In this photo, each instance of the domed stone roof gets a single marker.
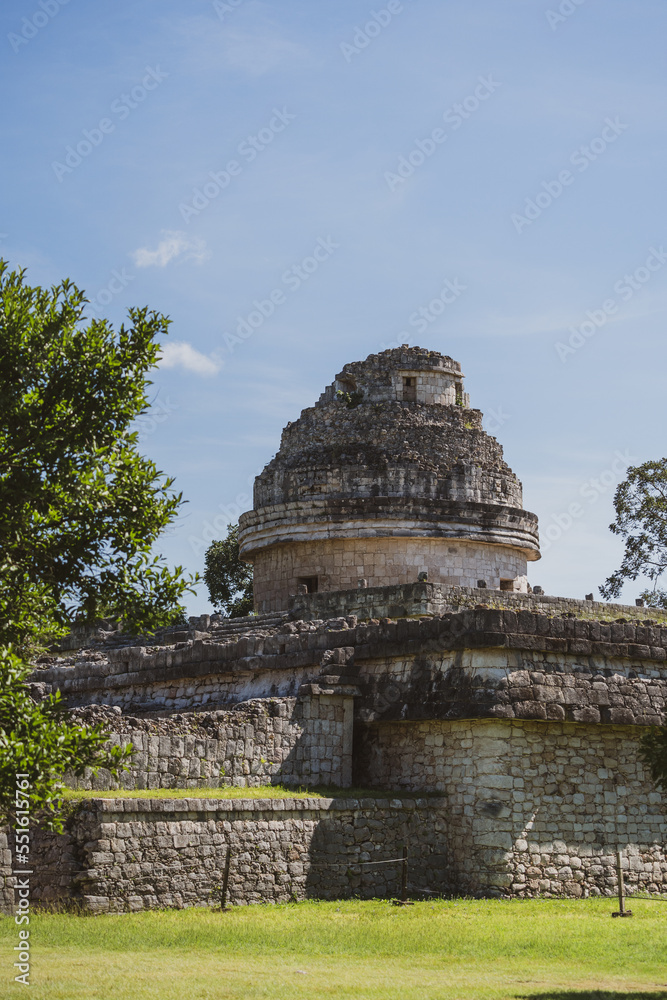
(391, 451)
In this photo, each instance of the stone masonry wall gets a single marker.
(339, 563)
(275, 741)
(534, 808)
(132, 854)
(7, 895)
(505, 684)
(432, 388)
(432, 598)
(455, 665)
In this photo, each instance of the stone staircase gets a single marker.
(233, 628)
(219, 629)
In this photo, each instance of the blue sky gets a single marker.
(192, 156)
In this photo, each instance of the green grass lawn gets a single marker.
(226, 792)
(441, 950)
(232, 792)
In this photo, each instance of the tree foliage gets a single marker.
(653, 752)
(80, 508)
(229, 580)
(37, 739)
(640, 503)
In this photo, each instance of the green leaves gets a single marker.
(38, 740)
(80, 508)
(640, 502)
(229, 580)
(653, 752)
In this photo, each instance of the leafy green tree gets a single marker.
(653, 752)
(37, 740)
(80, 508)
(229, 580)
(640, 503)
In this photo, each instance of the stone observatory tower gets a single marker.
(388, 476)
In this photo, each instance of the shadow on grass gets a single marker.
(593, 995)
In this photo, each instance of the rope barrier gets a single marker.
(314, 864)
(344, 864)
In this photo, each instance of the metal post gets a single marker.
(404, 901)
(404, 876)
(225, 880)
(622, 912)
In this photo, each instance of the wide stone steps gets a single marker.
(232, 627)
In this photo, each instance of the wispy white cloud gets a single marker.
(249, 41)
(262, 52)
(174, 243)
(180, 354)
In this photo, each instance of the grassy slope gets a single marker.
(444, 950)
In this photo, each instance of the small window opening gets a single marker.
(458, 389)
(409, 389)
(507, 584)
(309, 582)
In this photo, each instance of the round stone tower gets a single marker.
(390, 475)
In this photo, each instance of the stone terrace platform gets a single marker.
(454, 663)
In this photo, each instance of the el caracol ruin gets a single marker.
(397, 647)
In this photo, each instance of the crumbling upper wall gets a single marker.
(430, 598)
(364, 438)
(479, 663)
(410, 374)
